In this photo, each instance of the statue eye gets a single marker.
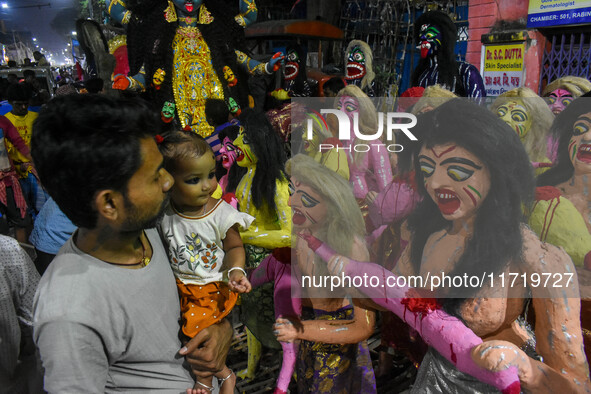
(358, 56)
(519, 116)
(350, 108)
(308, 201)
(580, 128)
(502, 111)
(427, 169)
(552, 99)
(292, 57)
(459, 174)
(566, 101)
(291, 188)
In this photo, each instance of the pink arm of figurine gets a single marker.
(393, 203)
(447, 334)
(379, 163)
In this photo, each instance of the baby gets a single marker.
(203, 242)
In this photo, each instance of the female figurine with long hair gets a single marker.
(529, 116)
(562, 91)
(333, 356)
(474, 177)
(262, 193)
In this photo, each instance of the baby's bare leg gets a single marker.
(202, 386)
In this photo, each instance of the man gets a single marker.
(107, 310)
(19, 372)
(22, 119)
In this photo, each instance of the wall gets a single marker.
(483, 14)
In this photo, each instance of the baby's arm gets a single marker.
(234, 261)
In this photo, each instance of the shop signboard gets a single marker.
(545, 13)
(502, 67)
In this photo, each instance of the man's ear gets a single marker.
(109, 204)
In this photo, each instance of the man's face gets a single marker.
(147, 191)
(20, 108)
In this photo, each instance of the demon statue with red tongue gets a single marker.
(358, 66)
(296, 78)
(436, 36)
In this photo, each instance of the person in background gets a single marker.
(19, 364)
(22, 119)
(40, 59)
(95, 85)
(13, 206)
(51, 230)
(332, 86)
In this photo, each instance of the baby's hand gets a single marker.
(238, 282)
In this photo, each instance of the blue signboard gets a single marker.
(545, 13)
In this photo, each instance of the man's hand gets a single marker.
(207, 351)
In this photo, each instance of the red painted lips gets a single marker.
(240, 154)
(584, 153)
(447, 201)
(297, 217)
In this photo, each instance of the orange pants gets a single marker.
(204, 305)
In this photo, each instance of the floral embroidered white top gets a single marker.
(195, 244)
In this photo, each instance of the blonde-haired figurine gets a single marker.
(332, 353)
(359, 66)
(562, 91)
(323, 147)
(433, 97)
(529, 116)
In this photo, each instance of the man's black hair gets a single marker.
(19, 92)
(334, 84)
(82, 144)
(94, 85)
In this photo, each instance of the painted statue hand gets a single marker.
(275, 62)
(285, 330)
(499, 355)
(337, 264)
(121, 82)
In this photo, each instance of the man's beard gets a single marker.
(135, 220)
